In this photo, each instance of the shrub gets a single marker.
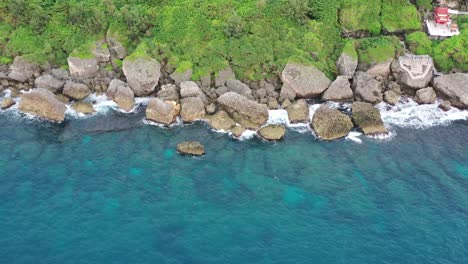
(419, 43)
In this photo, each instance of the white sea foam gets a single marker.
(178, 122)
(412, 115)
(248, 134)
(354, 136)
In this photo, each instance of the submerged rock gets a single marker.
(162, 112)
(142, 74)
(22, 69)
(192, 109)
(367, 88)
(48, 82)
(43, 103)
(76, 91)
(368, 118)
(83, 107)
(7, 103)
(120, 93)
(246, 112)
(272, 132)
(454, 87)
(298, 112)
(221, 121)
(306, 81)
(193, 148)
(330, 124)
(425, 96)
(339, 91)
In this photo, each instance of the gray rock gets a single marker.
(240, 88)
(142, 74)
(205, 81)
(260, 93)
(120, 93)
(101, 52)
(415, 71)
(339, 91)
(425, 96)
(346, 65)
(180, 77)
(48, 82)
(191, 89)
(162, 112)
(392, 97)
(61, 74)
(221, 90)
(287, 93)
(192, 109)
(223, 76)
(368, 118)
(210, 109)
(169, 92)
(193, 148)
(272, 132)
(42, 103)
(272, 103)
(306, 81)
(22, 69)
(116, 48)
(380, 70)
(246, 112)
(330, 124)
(76, 91)
(453, 87)
(367, 88)
(298, 112)
(445, 105)
(83, 68)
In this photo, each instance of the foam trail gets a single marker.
(412, 115)
(354, 136)
(280, 116)
(248, 134)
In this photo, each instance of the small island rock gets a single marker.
(193, 148)
(272, 132)
(368, 118)
(330, 124)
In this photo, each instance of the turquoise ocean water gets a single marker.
(109, 189)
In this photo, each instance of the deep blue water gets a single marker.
(112, 190)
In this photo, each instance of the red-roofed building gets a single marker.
(441, 15)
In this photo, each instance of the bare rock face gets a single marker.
(43, 103)
(191, 89)
(287, 93)
(298, 112)
(330, 124)
(7, 103)
(116, 48)
(381, 70)
(240, 88)
(415, 72)
(246, 112)
(454, 87)
(76, 91)
(221, 121)
(120, 93)
(48, 82)
(306, 81)
(193, 148)
(83, 107)
(339, 91)
(425, 96)
(180, 77)
(83, 68)
(272, 132)
(223, 76)
(392, 97)
(101, 52)
(368, 118)
(367, 88)
(346, 65)
(162, 112)
(169, 92)
(192, 109)
(22, 69)
(142, 74)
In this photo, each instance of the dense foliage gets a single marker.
(256, 37)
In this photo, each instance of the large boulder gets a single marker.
(367, 88)
(221, 121)
(83, 68)
(169, 92)
(330, 124)
(454, 87)
(22, 69)
(192, 109)
(83, 107)
(180, 77)
(120, 93)
(193, 148)
(48, 82)
(246, 112)
(162, 112)
(240, 88)
(381, 70)
(346, 65)
(272, 132)
(298, 112)
(306, 81)
(414, 71)
(287, 93)
(368, 118)
(392, 97)
(142, 74)
(223, 76)
(191, 89)
(425, 96)
(76, 91)
(339, 91)
(43, 103)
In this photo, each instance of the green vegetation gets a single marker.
(419, 43)
(452, 53)
(255, 37)
(350, 49)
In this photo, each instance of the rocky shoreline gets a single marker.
(228, 104)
